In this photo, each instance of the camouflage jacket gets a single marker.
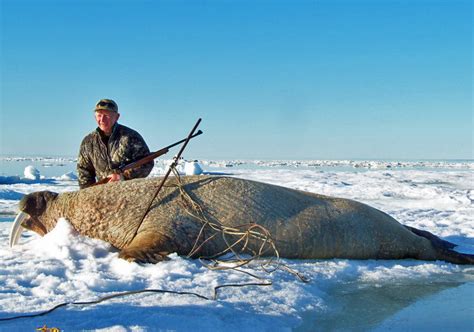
(98, 158)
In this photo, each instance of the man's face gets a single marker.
(106, 120)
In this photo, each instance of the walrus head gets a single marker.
(32, 207)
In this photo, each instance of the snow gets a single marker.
(64, 266)
(31, 173)
(192, 168)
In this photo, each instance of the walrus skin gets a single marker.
(302, 224)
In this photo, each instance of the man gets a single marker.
(108, 147)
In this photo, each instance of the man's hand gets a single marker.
(115, 177)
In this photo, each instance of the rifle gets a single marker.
(172, 166)
(128, 167)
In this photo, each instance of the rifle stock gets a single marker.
(143, 161)
(128, 167)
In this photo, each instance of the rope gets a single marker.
(243, 234)
(128, 293)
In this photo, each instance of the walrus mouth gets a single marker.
(25, 221)
(17, 229)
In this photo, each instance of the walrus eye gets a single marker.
(28, 223)
(35, 203)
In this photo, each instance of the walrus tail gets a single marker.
(444, 248)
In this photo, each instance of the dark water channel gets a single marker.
(362, 307)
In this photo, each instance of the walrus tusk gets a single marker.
(17, 229)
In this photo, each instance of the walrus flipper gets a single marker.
(444, 248)
(145, 248)
(143, 255)
(433, 238)
(455, 257)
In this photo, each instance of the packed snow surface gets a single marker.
(64, 266)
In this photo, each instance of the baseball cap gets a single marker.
(106, 104)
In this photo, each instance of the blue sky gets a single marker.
(270, 79)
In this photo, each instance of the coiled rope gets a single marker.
(242, 235)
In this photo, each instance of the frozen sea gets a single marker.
(372, 295)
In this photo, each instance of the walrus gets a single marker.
(301, 224)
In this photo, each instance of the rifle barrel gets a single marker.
(183, 140)
(155, 154)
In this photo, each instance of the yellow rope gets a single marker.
(241, 234)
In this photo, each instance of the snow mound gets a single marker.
(32, 173)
